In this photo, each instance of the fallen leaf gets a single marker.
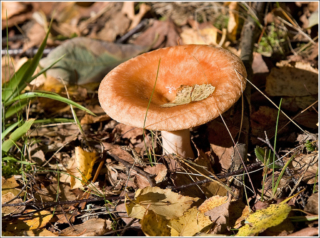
(88, 119)
(245, 213)
(80, 168)
(134, 134)
(86, 60)
(9, 183)
(92, 227)
(219, 214)
(160, 170)
(293, 104)
(265, 218)
(116, 150)
(295, 79)
(190, 223)
(49, 193)
(309, 231)
(233, 22)
(10, 9)
(212, 202)
(11, 210)
(187, 94)
(162, 201)
(35, 33)
(128, 9)
(165, 30)
(154, 224)
(39, 219)
(142, 181)
(205, 36)
(312, 204)
(308, 119)
(122, 208)
(117, 25)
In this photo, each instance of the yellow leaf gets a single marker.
(162, 201)
(9, 183)
(186, 94)
(81, 167)
(155, 225)
(190, 223)
(212, 202)
(40, 219)
(265, 218)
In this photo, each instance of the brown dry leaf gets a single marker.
(117, 26)
(9, 183)
(190, 223)
(153, 224)
(259, 66)
(304, 162)
(122, 209)
(236, 210)
(309, 231)
(116, 150)
(134, 134)
(10, 9)
(312, 204)
(308, 119)
(8, 210)
(92, 227)
(292, 79)
(88, 119)
(220, 216)
(167, 35)
(49, 193)
(295, 103)
(81, 167)
(62, 218)
(35, 34)
(160, 170)
(265, 120)
(128, 9)
(162, 201)
(142, 181)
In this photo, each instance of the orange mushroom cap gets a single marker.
(125, 92)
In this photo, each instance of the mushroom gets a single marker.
(195, 84)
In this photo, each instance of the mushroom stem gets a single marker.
(177, 142)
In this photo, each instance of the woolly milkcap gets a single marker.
(125, 92)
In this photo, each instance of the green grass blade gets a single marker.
(16, 135)
(281, 174)
(145, 118)
(51, 96)
(274, 145)
(9, 129)
(14, 109)
(53, 120)
(47, 68)
(17, 161)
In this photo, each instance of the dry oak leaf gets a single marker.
(189, 224)
(160, 170)
(8, 210)
(162, 201)
(265, 218)
(92, 227)
(80, 168)
(153, 224)
(88, 119)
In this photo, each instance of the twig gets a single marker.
(135, 30)
(17, 195)
(127, 226)
(128, 166)
(238, 172)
